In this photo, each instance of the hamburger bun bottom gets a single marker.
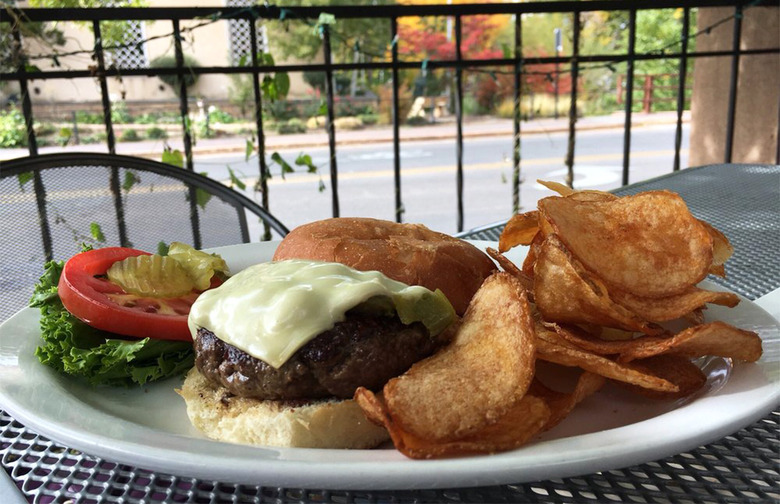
(219, 415)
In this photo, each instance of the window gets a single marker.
(133, 53)
(240, 34)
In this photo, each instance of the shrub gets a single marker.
(168, 61)
(316, 122)
(156, 133)
(219, 116)
(120, 114)
(348, 123)
(291, 126)
(369, 119)
(417, 121)
(88, 117)
(129, 135)
(203, 129)
(532, 106)
(281, 110)
(13, 132)
(93, 139)
(148, 118)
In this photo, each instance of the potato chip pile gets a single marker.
(603, 277)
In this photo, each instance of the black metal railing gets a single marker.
(517, 64)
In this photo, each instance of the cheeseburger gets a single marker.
(282, 346)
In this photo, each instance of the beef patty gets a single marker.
(363, 350)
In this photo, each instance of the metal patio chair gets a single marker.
(51, 204)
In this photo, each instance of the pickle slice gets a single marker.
(151, 276)
(199, 265)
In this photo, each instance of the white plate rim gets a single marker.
(388, 470)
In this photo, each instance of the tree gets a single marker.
(352, 40)
(113, 32)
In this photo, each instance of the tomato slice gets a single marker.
(88, 295)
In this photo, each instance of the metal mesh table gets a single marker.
(741, 200)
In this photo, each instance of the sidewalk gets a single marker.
(446, 129)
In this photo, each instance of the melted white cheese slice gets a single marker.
(272, 309)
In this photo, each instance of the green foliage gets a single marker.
(369, 119)
(291, 126)
(119, 113)
(129, 135)
(88, 117)
(114, 33)
(156, 133)
(301, 39)
(97, 232)
(131, 179)
(220, 117)
(234, 180)
(93, 139)
(305, 160)
(282, 110)
(168, 61)
(157, 118)
(13, 132)
(173, 157)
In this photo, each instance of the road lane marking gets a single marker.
(303, 178)
(474, 167)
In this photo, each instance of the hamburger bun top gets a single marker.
(408, 253)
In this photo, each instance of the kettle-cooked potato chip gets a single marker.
(565, 292)
(675, 306)
(674, 368)
(519, 230)
(648, 244)
(714, 338)
(479, 375)
(567, 356)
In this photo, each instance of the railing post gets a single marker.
(735, 48)
(187, 138)
(104, 96)
(629, 94)
(516, 154)
(264, 174)
(459, 122)
(32, 144)
(399, 208)
(683, 76)
(334, 173)
(575, 70)
(114, 184)
(29, 124)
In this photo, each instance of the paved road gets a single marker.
(428, 184)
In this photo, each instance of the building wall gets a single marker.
(758, 90)
(209, 45)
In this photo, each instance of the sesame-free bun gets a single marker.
(315, 424)
(408, 253)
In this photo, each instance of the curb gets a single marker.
(383, 138)
(229, 149)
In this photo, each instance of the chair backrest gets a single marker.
(51, 204)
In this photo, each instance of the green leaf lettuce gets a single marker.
(72, 347)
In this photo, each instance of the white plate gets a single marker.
(148, 427)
